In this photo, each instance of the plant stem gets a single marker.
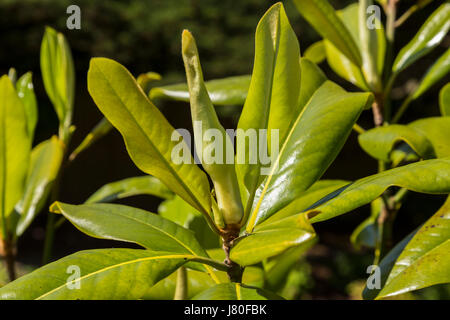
(405, 16)
(234, 271)
(181, 290)
(9, 254)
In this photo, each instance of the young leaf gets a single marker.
(58, 76)
(380, 142)
(226, 91)
(272, 239)
(428, 176)
(15, 145)
(100, 130)
(130, 187)
(322, 16)
(204, 118)
(46, 159)
(444, 100)
(315, 137)
(427, 38)
(316, 52)
(425, 260)
(273, 94)
(147, 134)
(104, 274)
(436, 72)
(25, 91)
(235, 291)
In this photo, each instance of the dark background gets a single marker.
(146, 36)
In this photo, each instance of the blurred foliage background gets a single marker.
(145, 35)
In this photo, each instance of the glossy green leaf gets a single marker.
(425, 261)
(146, 132)
(15, 145)
(273, 94)
(272, 239)
(437, 131)
(379, 142)
(436, 72)
(315, 138)
(312, 78)
(123, 223)
(428, 176)
(25, 91)
(316, 52)
(235, 291)
(322, 16)
(46, 159)
(226, 91)
(105, 274)
(444, 100)
(216, 158)
(145, 185)
(304, 200)
(428, 37)
(180, 212)
(58, 75)
(100, 130)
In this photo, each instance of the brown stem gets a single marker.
(234, 270)
(8, 251)
(377, 109)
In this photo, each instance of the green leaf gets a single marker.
(444, 100)
(436, 72)
(273, 94)
(144, 80)
(368, 41)
(316, 52)
(315, 138)
(425, 261)
(58, 76)
(226, 91)
(15, 145)
(312, 78)
(146, 132)
(367, 76)
(105, 274)
(123, 223)
(235, 291)
(322, 16)
(180, 212)
(145, 185)
(437, 131)
(380, 142)
(427, 38)
(304, 200)
(272, 239)
(25, 91)
(46, 159)
(216, 158)
(99, 131)
(428, 176)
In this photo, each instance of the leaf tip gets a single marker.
(55, 208)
